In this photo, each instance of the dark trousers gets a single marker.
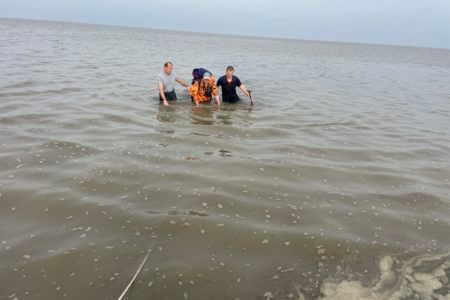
(170, 96)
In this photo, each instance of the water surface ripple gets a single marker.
(335, 185)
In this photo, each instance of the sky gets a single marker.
(422, 23)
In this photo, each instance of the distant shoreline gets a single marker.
(223, 34)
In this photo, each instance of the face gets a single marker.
(168, 69)
(205, 81)
(230, 73)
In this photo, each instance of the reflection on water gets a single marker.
(203, 115)
(166, 114)
(200, 115)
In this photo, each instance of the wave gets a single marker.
(420, 277)
(40, 92)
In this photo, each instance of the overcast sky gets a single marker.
(402, 22)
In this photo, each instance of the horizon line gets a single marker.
(224, 34)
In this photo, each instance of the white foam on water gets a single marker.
(423, 277)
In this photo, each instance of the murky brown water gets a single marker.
(335, 185)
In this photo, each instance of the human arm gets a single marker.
(218, 100)
(182, 82)
(161, 92)
(215, 92)
(194, 92)
(243, 88)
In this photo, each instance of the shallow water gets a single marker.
(335, 185)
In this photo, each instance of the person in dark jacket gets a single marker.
(229, 82)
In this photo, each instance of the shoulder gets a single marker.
(222, 78)
(173, 76)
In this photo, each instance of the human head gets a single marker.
(168, 67)
(206, 76)
(230, 71)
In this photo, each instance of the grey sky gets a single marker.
(405, 22)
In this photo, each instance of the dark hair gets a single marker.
(230, 68)
(166, 64)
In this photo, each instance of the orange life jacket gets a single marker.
(199, 90)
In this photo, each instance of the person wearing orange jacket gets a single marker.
(204, 89)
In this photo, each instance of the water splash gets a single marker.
(422, 277)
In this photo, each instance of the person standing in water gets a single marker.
(166, 84)
(229, 82)
(204, 89)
